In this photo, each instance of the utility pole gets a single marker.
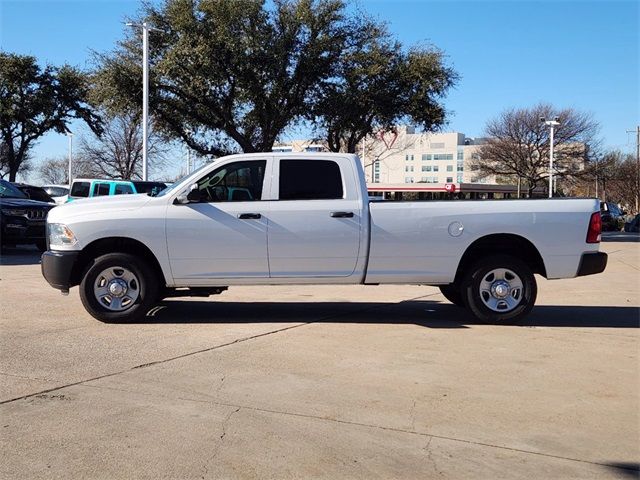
(637, 132)
(70, 135)
(145, 92)
(551, 124)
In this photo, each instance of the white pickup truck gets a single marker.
(293, 218)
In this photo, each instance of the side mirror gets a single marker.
(193, 196)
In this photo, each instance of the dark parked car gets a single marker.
(612, 217)
(34, 193)
(22, 220)
(633, 225)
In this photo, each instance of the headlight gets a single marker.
(60, 234)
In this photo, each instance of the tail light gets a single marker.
(595, 228)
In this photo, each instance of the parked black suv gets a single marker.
(22, 220)
(612, 217)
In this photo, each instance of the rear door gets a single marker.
(315, 219)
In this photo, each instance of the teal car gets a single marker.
(88, 188)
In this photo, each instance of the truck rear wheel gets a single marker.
(453, 293)
(499, 289)
(118, 287)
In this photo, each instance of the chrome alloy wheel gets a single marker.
(501, 290)
(116, 288)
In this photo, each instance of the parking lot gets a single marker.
(322, 382)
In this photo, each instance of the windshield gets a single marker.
(9, 191)
(171, 187)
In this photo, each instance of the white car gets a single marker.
(59, 193)
(295, 218)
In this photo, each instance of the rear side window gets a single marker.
(101, 189)
(310, 180)
(80, 189)
(123, 189)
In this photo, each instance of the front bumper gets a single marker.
(592, 263)
(57, 268)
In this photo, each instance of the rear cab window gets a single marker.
(310, 180)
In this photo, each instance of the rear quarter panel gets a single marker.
(411, 241)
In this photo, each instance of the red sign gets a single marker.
(450, 187)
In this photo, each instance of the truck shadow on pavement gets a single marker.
(627, 469)
(431, 314)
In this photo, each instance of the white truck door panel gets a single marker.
(225, 236)
(310, 236)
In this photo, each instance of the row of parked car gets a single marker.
(24, 208)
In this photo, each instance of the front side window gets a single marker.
(80, 189)
(310, 180)
(234, 182)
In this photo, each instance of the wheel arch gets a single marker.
(505, 244)
(106, 245)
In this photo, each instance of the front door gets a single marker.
(225, 235)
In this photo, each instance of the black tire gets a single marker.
(145, 284)
(480, 272)
(453, 293)
(41, 245)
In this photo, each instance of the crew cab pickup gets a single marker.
(301, 218)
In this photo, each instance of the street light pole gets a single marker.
(551, 124)
(70, 135)
(145, 98)
(145, 92)
(637, 132)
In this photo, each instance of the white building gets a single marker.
(409, 157)
(430, 158)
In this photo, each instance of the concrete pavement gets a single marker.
(322, 382)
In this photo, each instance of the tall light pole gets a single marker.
(70, 135)
(552, 124)
(637, 132)
(145, 91)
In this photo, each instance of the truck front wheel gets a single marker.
(499, 289)
(118, 287)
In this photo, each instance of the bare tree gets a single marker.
(622, 187)
(56, 170)
(518, 145)
(117, 153)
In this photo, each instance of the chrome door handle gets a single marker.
(342, 214)
(249, 216)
